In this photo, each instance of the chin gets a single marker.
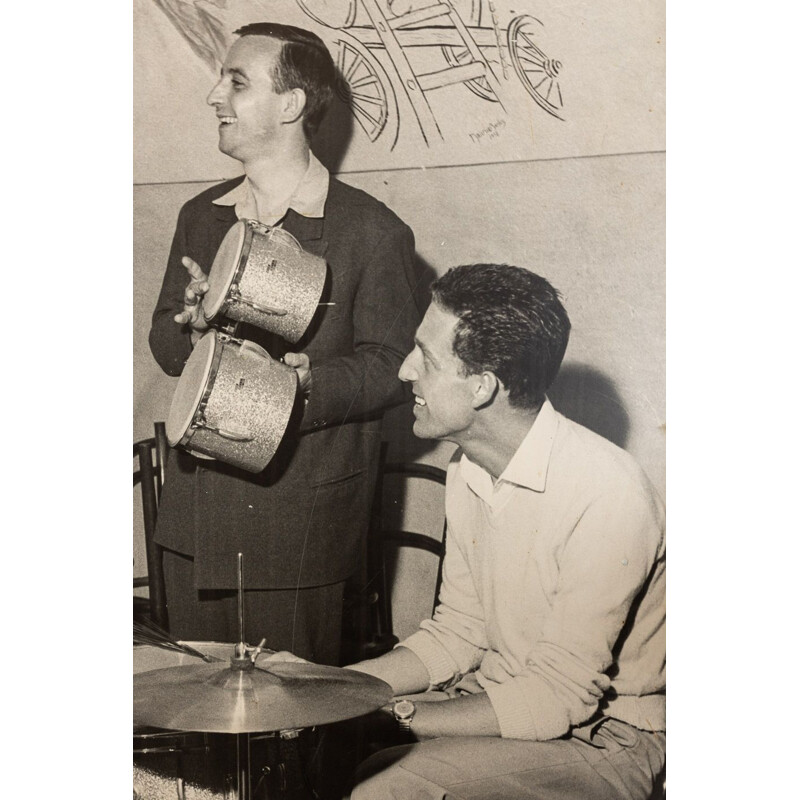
(420, 432)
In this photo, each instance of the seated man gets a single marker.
(547, 643)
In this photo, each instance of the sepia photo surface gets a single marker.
(544, 149)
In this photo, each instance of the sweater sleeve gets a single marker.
(604, 565)
(454, 641)
(385, 317)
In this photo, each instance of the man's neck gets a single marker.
(274, 177)
(493, 442)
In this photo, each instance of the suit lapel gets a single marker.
(223, 219)
(309, 231)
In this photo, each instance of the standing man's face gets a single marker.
(443, 395)
(247, 106)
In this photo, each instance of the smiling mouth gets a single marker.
(226, 120)
(418, 401)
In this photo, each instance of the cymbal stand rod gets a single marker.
(241, 601)
(243, 789)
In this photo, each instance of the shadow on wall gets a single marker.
(590, 398)
(335, 132)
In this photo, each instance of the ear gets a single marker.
(485, 388)
(294, 104)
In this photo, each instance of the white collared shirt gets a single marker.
(307, 200)
(527, 468)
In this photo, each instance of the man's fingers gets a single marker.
(194, 270)
(285, 655)
(194, 292)
(296, 360)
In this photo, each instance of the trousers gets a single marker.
(606, 760)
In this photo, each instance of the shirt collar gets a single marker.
(528, 466)
(308, 199)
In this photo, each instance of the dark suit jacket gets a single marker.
(301, 522)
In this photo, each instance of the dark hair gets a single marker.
(511, 323)
(304, 63)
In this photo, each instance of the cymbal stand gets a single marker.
(242, 660)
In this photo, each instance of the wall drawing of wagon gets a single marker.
(473, 54)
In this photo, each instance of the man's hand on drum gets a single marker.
(192, 314)
(301, 364)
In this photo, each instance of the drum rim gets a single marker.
(208, 386)
(237, 268)
(203, 390)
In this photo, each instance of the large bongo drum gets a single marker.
(232, 402)
(263, 276)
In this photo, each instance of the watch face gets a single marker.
(404, 708)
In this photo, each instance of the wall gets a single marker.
(593, 226)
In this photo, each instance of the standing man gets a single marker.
(300, 524)
(547, 645)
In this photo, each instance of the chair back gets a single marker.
(385, 542)
(151, 455)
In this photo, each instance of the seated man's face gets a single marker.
(443, 395)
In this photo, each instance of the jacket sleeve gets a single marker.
(385, 317)
(170, 342)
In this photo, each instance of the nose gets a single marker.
(407, 371)
(216, 97)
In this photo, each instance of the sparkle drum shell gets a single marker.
(263, 276)
(174, 764)
(232, 402)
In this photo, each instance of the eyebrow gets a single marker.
(233, 71)
(425, 351)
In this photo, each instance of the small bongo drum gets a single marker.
(232, 402)
(263, 276)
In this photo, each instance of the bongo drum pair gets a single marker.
(233, 401)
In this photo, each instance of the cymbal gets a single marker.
(217, 698)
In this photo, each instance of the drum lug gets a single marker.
(200, 422)
(235, 296)
(260, 227)
(225, 337)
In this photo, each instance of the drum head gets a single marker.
(223, 269)
(190, 388)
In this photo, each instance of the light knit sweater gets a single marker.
(553, 589)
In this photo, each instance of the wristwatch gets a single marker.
(404, 711)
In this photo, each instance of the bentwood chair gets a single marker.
(151, 455)
(386, 544)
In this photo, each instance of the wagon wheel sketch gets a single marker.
(366, 89)
(455, 57)
(331, 13)
(538, 73)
